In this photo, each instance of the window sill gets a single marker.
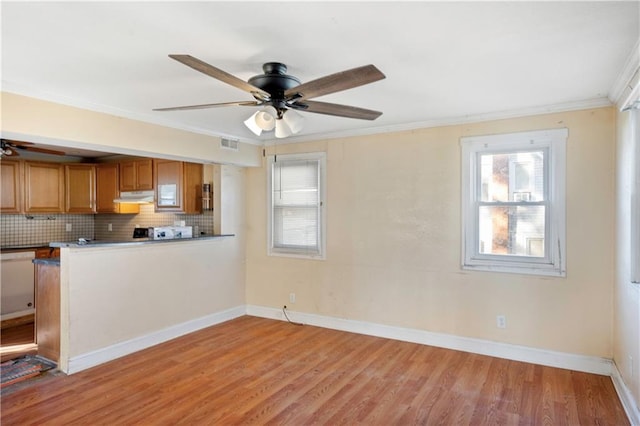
(297, 255)
(523, 270)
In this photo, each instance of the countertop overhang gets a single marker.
(99, 243)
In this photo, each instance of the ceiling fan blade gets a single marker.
(337, 110)
(18, 144)
(335, 82)
(7, 150)
(218, 74)
(28, 146)
(203, 106)
(42, 150)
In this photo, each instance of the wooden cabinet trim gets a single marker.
(11, 189)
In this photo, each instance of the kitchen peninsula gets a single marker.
(118, 298)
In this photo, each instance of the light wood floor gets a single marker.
(253, 370)
(17, 340)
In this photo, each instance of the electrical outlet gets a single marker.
(110, 227)
(68, 227)
(292, 298)
(501, 321)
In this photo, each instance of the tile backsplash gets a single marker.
(122, 224)
(41, 229)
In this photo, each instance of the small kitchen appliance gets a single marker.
(170, 232)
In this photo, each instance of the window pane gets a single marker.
(515, 176)
(295, 183)
(295, 227)
(513, 230)
(296, 204)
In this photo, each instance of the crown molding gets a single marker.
(451, 121)
(624, 82)
(439, 122)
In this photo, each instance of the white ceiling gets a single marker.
(444, 61)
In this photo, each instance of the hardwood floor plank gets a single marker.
(254, 370)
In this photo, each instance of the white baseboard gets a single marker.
(588, 364)
(626, 398)
(100, 356)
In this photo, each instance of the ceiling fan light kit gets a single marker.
(293, 120)
(252, 125)
(282, 130)
(281, 94)
(266, 118)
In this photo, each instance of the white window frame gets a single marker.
(317, 252)
(635, 195)
(553, 142)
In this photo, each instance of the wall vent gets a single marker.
(229, 144)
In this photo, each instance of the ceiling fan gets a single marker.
(10, 148)
(281, 95)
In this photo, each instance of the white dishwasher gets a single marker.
(17, 296)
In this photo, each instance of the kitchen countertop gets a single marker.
(25, 247)
(54, 261)
(140, 242)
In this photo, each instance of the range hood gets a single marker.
(135, 197)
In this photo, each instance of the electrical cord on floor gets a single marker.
(284, 311)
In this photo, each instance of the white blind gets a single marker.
(296, 204)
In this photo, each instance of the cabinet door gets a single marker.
(47, 252)
(80, 188)
(144, 174)
(168, 176)
(43, 187)
(192, 188)
(107, 184)
(10, 190)
(47, 283)
(136, 175)
(128, 176)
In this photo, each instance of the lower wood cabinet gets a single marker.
(47, 252)
(47, 282)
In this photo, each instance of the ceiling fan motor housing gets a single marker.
(275, 81)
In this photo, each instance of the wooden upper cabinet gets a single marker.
(178, 186)
(10, 190)
(193, 187)
(136, 175)
(43, 187)
(107, 189)
(169, 175)
(80, 188)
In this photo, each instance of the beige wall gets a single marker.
(626, 295)
(394, 229)
(46, 122)
(114, 294)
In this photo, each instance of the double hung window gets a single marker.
(514, 202)
(296, 207)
